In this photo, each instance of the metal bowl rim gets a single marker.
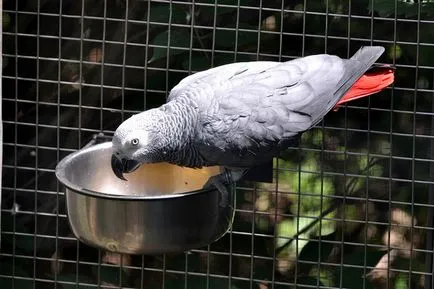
(60, 174)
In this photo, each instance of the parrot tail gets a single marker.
(373, 81)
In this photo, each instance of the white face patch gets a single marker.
(137, 140)
(139, 151)
(143, 139)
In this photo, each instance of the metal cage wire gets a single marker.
(72, 69)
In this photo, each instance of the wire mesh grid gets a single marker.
(351, 207)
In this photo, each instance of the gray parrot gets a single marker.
(238, 115)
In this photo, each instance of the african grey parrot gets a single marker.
(239, 115)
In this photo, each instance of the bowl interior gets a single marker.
(90, 169)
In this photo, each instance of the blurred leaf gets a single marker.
(310, 282)
(262, 223)
(203, 62)
(307, 206)
(357, 184)
(322, 228)
(290, 228)
(384, 147)
(325, 276)
(394, 51)
(226, 38)
(6, 20)
(161, 14)
(178, 38)
(198, 63)
(312, 137)
(401, 282)
(363, 159)
(367, 164)
(317, 138)
(352, 212)
(287, 229)
(309, 183)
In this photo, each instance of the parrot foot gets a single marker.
(236, 174)
(220, 182)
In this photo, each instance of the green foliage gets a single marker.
(401, 282)
(312, 193)
(6, 21)
(291, 228)
(204, 61)
(178, 38)
(163, 13)
(309, 200)
(325, 276)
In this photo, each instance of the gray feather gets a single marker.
(256, 106)
(241, 114)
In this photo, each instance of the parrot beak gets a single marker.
(121, 166)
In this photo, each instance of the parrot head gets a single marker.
(138, 140)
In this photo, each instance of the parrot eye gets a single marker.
(135, 141)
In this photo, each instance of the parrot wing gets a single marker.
(252, 106)
(218, 75)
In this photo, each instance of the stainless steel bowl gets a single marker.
(161, 208)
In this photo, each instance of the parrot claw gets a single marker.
(220, 183)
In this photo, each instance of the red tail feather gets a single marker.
(371, 82)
